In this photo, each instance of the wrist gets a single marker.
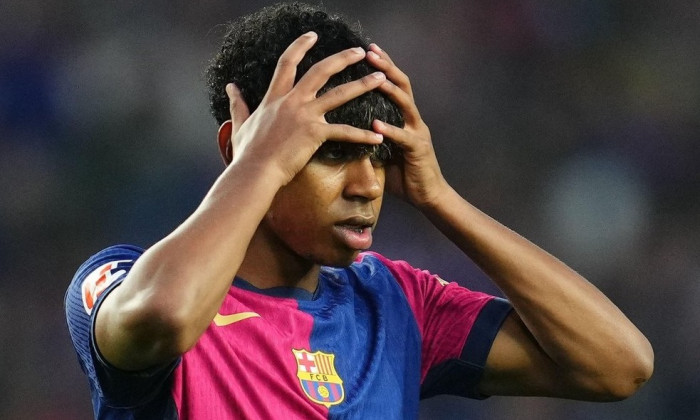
(266, 171)
(434, 197)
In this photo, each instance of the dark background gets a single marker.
(573, 122)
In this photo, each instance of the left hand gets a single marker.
(417, 177)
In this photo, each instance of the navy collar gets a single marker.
(280, 291)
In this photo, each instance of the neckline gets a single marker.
(281, 291)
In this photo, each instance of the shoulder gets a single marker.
(405, 274)
(374, 260)
(428, 293)
(110, 254)
(95, 278)
(99, 272)
(374, 266)
(108, 257)
(98, 275)
(93, 281)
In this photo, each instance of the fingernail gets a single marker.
(379, 136)
(378, 75)
(311, 34)
(377, 47)
(358, 50)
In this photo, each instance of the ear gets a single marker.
(223, 137)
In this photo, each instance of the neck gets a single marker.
(269, 265)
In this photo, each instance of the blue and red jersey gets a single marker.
(372, 340)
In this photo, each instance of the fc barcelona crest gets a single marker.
(318, 378)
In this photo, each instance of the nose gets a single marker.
(363, 180)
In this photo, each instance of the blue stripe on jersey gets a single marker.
(363, 318)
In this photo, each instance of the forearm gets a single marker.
(572, 322)
(175, 288)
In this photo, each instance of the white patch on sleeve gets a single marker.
(96, 282)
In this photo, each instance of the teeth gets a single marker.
(355, 228)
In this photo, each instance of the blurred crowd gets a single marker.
(574, 122)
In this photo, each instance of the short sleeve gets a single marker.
(457, 325)
(461, 375)
(92, 283)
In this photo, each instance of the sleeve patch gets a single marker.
(99, 279)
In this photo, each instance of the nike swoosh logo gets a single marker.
(223, 320)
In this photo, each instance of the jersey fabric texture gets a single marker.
(372, 340)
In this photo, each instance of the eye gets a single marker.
(335, 152)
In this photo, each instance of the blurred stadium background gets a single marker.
(574, 122)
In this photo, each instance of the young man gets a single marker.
(262, 304)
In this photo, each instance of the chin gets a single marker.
(338, 261)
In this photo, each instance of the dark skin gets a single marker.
(564, 339)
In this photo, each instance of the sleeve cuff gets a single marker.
(461, 376)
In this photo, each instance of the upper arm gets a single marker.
(127, 336)
(91, 287)
(92, 283)
(517, 365)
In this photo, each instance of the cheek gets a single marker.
(289, 228)
(311, 192)
(296, 214)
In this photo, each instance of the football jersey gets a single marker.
(372, 340)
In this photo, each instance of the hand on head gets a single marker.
(416, 177)
(289, 125)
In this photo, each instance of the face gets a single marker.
(327, 213)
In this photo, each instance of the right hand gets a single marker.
(289, 125)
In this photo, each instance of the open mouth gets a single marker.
(357, 236)
(358, 229)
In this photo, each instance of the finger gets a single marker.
(381, 60)
(396, 134)
(237, 106)
(406, 140)
(383, 63)
(319, 73)
(286, 70)
(405, 102)
(350, 134)
(340, 95)
(383, 54)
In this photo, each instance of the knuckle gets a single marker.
(339, 92)
(351, 53)
(368, 81)
(284, 61)
(403, 78)
(318, 71)
(315, 130)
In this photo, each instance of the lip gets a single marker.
(358, 221)
(355, 232)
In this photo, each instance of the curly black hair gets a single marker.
(254, 43)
